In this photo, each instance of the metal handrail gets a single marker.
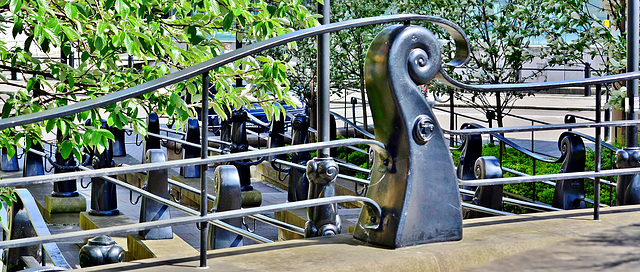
(550, 177)
(356, 127)
(130, 228)
(476, 131)
(537, 86)
(189, 162)
(462, 50)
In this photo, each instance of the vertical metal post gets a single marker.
(452, 125)
(354, 101)
(587, 74)
(491, 114)
(72, 59)
(63, 57)
(104, 199)
(533, 149)
(238, 78)
(323, 80)
(596, 182)
(633, 51)
(130, 61)
(607, 117)
(204, 153)
(14, 74)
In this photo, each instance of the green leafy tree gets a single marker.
(583, 31)
(500, 33)
(349, 48)
(163, 36)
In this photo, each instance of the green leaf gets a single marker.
(17, 26)
(98, 43)
(71, 80)
(51, 123)
(6, 109)
(11, 150)
(85, 56)
(228, 21)
(32, 82)
(15, 5)
(263, 59)
(105, 133)
(81, 8)
(65, 149)
(130, 45)
(108, 4)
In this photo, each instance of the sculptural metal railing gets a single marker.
(403, 207)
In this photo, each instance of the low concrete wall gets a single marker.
(485, 240)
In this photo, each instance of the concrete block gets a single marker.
(297, 217)
(143, 249)
(65, 204)
(88, 221)
(251, 199)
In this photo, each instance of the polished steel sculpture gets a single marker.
(9, 164)
(104, 199)
(193, 136)
(323, 220)
(570, 194)
(487, 167)
(471, 151)
(414, 180)
(228, 198)
(150, 210)
(33, 163)
(628, 189)
(298, 188)
(67, 188)
(100, 250)
(240, 143)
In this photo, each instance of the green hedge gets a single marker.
(542, 192)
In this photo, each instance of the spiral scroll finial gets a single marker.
(423, 64)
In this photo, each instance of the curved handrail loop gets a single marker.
(534, 155)
(460, 39)
(533, 86)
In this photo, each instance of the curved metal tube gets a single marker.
(462, 52)
(472, 131)
(519, 148)
(378, 146)
(533, 86)
(356, 127)
(369, 204)
(592, 139)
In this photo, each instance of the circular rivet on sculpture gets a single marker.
(423, 128)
